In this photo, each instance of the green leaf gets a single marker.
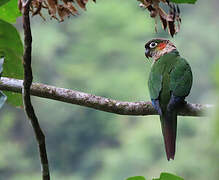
(11, 48)
(136, 178)
(9, 12)
(168, 176)
(3, 2)
(184, 1)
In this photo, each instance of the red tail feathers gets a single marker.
(169, 125)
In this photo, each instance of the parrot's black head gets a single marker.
(155, 48)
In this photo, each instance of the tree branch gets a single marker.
(28, 77)
(96, 102)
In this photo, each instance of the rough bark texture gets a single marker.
(28, 77)
(96, 102)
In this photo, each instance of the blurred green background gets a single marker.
(102, 52)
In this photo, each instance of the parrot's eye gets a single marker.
(153, 45)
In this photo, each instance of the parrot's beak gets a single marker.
(147, 53)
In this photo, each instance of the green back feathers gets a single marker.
(181, 78)
(172, 71)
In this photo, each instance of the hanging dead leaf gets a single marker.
(62, 8)
(82, 4)
(52, 6)
(63, 12)
(20, 5)
(70, 7)
(168, 20)
(38, 6)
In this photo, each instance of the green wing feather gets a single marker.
(155, 83)
(181, 78)
(159, 70)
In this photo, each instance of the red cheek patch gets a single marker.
(161, 46)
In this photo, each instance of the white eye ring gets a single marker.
(153, 45)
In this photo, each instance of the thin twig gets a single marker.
(96, 102)
(28, 77)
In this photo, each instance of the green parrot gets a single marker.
(170, 81)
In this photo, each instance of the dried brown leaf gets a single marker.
(164, 15)
(171, 28)
(20, 5)
(63, 12)
(52, 5)
(70, 7)
(163, 22)
(38, 7)
(81, 4)
(62, 8)
(168, 20)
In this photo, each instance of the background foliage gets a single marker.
(11, 48)
(9, 16)
(102, 52)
